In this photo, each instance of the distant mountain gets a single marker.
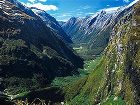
(50, 21)
(52, 24)
(116, 79)
(31, 53)
(94, 31)
(61, 23)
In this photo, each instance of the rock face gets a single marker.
(31, 53)
(52, 24)
(116, 79)
(94, 31)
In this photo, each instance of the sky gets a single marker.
(62, 10)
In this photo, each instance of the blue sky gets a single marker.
(64, 9)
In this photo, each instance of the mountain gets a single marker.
(50, 21)
(52, 24)
(31, 53)
(93, 32)
(61, 23)
(116, 79)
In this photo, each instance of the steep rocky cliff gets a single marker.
(116, 79)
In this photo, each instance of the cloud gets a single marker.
(32, 1)
(42, 6)
(108, 10)
(64, 20)
(65, 15)
(79, 14)
(39, 5)
(90, 13)
(86, 7)
(112, 9)
(42, 0)
(61, 18)
(127, 1)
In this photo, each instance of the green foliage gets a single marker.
(64, 81)
(48, 94)
(87, 53)
(81, 91)
(50, 52)
(92, 86)
(114, 101)
(31, 54)
(11, 45)
(110, 79)
(9, 49)
(37, 51)
(129, 91)
(71, 90)
(18, 85)
(89, 66)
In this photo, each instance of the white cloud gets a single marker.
(112, 9)
(42, 0)
(90, 13)
(86, 7)
(32, 1)
(42, 6)
(79, 14)
(65, 15)
(127, 1)
(63, 20)
(108, 10)
(39, 5)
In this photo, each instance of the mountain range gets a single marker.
(32, 52)
(93, 32)
(37, 51)
(115, 80)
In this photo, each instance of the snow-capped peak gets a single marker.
(111, 10)
(132, 3)
(36, 10)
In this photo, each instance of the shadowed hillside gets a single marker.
(31, 54)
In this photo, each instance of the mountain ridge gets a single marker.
(115, 80)
(52, 23)
(94, 31)
(31, 54)
(34, 52)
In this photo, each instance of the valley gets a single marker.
(85, 61)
